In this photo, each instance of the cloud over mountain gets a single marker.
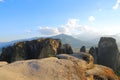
(72, 27)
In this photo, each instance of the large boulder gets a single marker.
(92, 71)
(108, 53)
(65, 68)
(100, 72)
(40, 48)
(86, 57)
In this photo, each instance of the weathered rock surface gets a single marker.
(108, 54)
(86, 57)
(3, 63)
(100, 72)
(40, 48)
(65, 68)
(92, 71)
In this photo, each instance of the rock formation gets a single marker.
(83, 49)
(34, 49)
(93, 52)
(108, 54)
(85, 62)
(7, 54)
(66, 48)
(81, 56)
(65, 67)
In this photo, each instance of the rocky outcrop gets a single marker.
(35, 49)
(90, 70)
(100, 72)
(7, 54)
(80, 57)
(93, 52)
(66, 48)
(108, 53)
(65, 68)
(83, 49)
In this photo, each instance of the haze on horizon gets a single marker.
(21, 19)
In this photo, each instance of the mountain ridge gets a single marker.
(66, 39)
(75, 42)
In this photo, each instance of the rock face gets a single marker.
(93, 52)
(65, 68)
(7, 54)
(83, 49)
(83, 58)
(66, 48)
(40, 48)
(108, 53)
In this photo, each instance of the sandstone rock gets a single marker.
(51, 47)
(108, 53)
(3, 63)
(65, 68)
(73, 59)
(86, 57)
(100, 72)
(45, 69)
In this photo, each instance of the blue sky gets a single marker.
(21, 19)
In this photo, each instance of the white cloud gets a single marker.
(72, 27)
(116, 6)
(91, 18)
(48, 31)
(63, 30)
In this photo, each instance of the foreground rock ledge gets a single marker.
(65, 68)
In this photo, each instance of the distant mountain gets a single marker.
(88, 36)
(94, 40)
(74, 42)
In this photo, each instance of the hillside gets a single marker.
(74, 42)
